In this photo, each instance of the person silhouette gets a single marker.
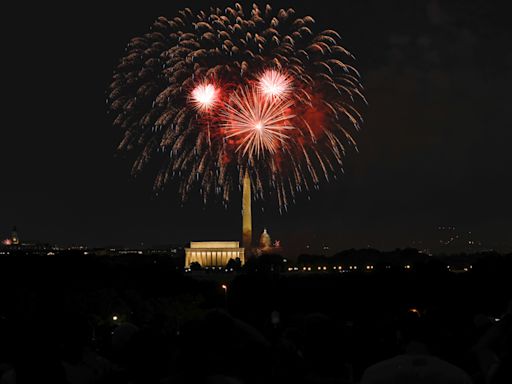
(416, 365)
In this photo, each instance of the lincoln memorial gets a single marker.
(213, 253)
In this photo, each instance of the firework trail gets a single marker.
(213, 94)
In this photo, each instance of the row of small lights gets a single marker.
(355, 267)
(213, 269)
(291, 269)
(465, 269)
(340, 268)
(323, 268)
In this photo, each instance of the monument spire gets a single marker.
(246, 213)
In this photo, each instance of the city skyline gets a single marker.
(449, 240)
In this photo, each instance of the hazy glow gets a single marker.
(274, 84)
(204, 96)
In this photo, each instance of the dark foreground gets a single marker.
(79, 319)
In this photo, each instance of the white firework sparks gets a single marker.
(275, 84)
(204, 97)
(259, 124)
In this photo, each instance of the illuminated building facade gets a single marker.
(265, 241)
(213, 253)
(266, 245)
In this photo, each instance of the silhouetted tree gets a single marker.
(195, 266)
(234, 264)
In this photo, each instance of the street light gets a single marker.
(225, 288)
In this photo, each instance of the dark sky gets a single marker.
(435, 149)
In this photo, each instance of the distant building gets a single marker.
(265, 241)
(213, 253)
(15, 240)
(266, 245)
(455, 240)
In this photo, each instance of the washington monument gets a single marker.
(246, 213)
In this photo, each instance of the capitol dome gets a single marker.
(265, 240)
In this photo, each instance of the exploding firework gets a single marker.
(209, 96)
(258, 123)
(204, 97)
(275, 84)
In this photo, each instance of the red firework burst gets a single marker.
(259, 124)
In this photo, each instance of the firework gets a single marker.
(209, 96)
(204, 97)
(275, 84)
(259, 124)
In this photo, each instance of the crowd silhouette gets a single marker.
(97, 320)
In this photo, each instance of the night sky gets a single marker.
(435, 148)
